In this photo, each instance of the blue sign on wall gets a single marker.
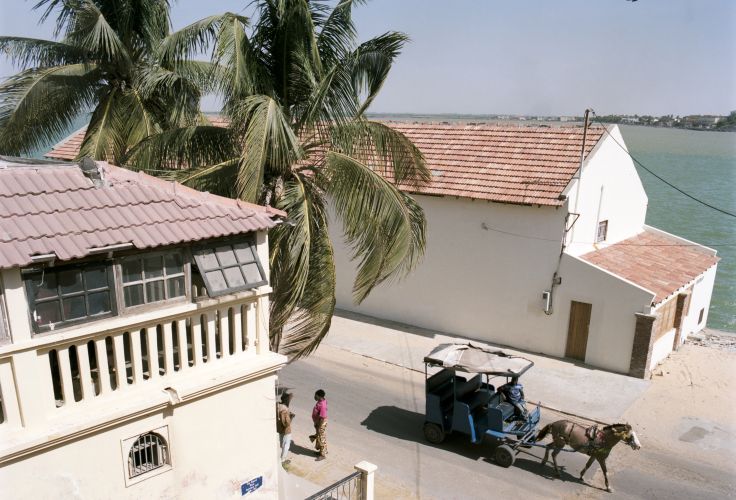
(251, 485)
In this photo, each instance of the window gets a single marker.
(148, 452)
(69, 294)
(229, 268)
(602, 232)
(152, 278)
(700, 316)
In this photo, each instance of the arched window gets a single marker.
(147, 453)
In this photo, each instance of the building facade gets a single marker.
(526, 251)
(134, 354)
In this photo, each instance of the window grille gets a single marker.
(70, 294)
(229, 268)
(152, 278)
(149, 452)
(602, 231)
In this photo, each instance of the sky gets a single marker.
(529, 57)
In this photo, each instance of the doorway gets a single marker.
(577, 330)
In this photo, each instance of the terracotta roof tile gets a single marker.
(510, 164)
(55, 208)
(657, 262)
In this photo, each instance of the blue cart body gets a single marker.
(460, 397)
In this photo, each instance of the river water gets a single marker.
(703, 164)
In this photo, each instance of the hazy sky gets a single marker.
(527, 56)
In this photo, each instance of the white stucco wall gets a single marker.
(474, 282)
(702, 292)
(610, 190)
(614, 304)
(487, 285)
(662, 348)
(216, 444)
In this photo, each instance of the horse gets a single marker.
(594, 442)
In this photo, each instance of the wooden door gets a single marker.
(577, 331)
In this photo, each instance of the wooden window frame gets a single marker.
(200, 252)
(604, 225)
(145, 306)
(28, 273)
(5, 337)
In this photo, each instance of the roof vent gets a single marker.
(91, 170)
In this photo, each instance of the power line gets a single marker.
(529, 237)
(657, 176)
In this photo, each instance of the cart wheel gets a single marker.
(504, 456)
(433, 433)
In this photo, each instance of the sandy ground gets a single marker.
(690, 407)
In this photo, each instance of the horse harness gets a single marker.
(596, 438)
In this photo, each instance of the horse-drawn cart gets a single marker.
(461, 398)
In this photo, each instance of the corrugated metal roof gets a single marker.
(502, 163)
(657, 262)
(55, 208)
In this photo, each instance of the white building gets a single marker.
(525, 250)
(134, 353)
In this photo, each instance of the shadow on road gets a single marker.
(408, 426)
(301, 450)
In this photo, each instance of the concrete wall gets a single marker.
(216, 444)
(610, 190)
(475, 281)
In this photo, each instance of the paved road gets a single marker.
(376, 414)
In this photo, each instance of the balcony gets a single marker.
(82, 379)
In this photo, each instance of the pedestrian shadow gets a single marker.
(301, 450)
(408, 425)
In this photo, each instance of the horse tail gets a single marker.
(543, 433)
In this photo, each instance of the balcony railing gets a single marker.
(357, 486)
(90, 363)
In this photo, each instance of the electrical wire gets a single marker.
(528, 237)
(657, 176)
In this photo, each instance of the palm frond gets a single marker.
(194, 38)
(105, 135)
(384, 228)
(268, 141)
(337, 33)
(371, 62)
(303, 271)
(39, 105)
(243, 70)
(384, 149)
(184, 148)
(91, 31)
(33, 52)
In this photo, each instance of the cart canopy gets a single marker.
(476, 359)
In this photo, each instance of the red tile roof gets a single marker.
(55, 208)
(662, 264)
(502, 163)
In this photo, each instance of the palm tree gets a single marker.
(295, 88)
(105, 63)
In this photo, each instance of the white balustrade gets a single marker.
(96, 365)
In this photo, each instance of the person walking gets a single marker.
(319, 417)
(283, 426)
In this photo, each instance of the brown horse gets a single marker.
(594, 442)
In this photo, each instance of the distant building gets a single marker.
(134, 350)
